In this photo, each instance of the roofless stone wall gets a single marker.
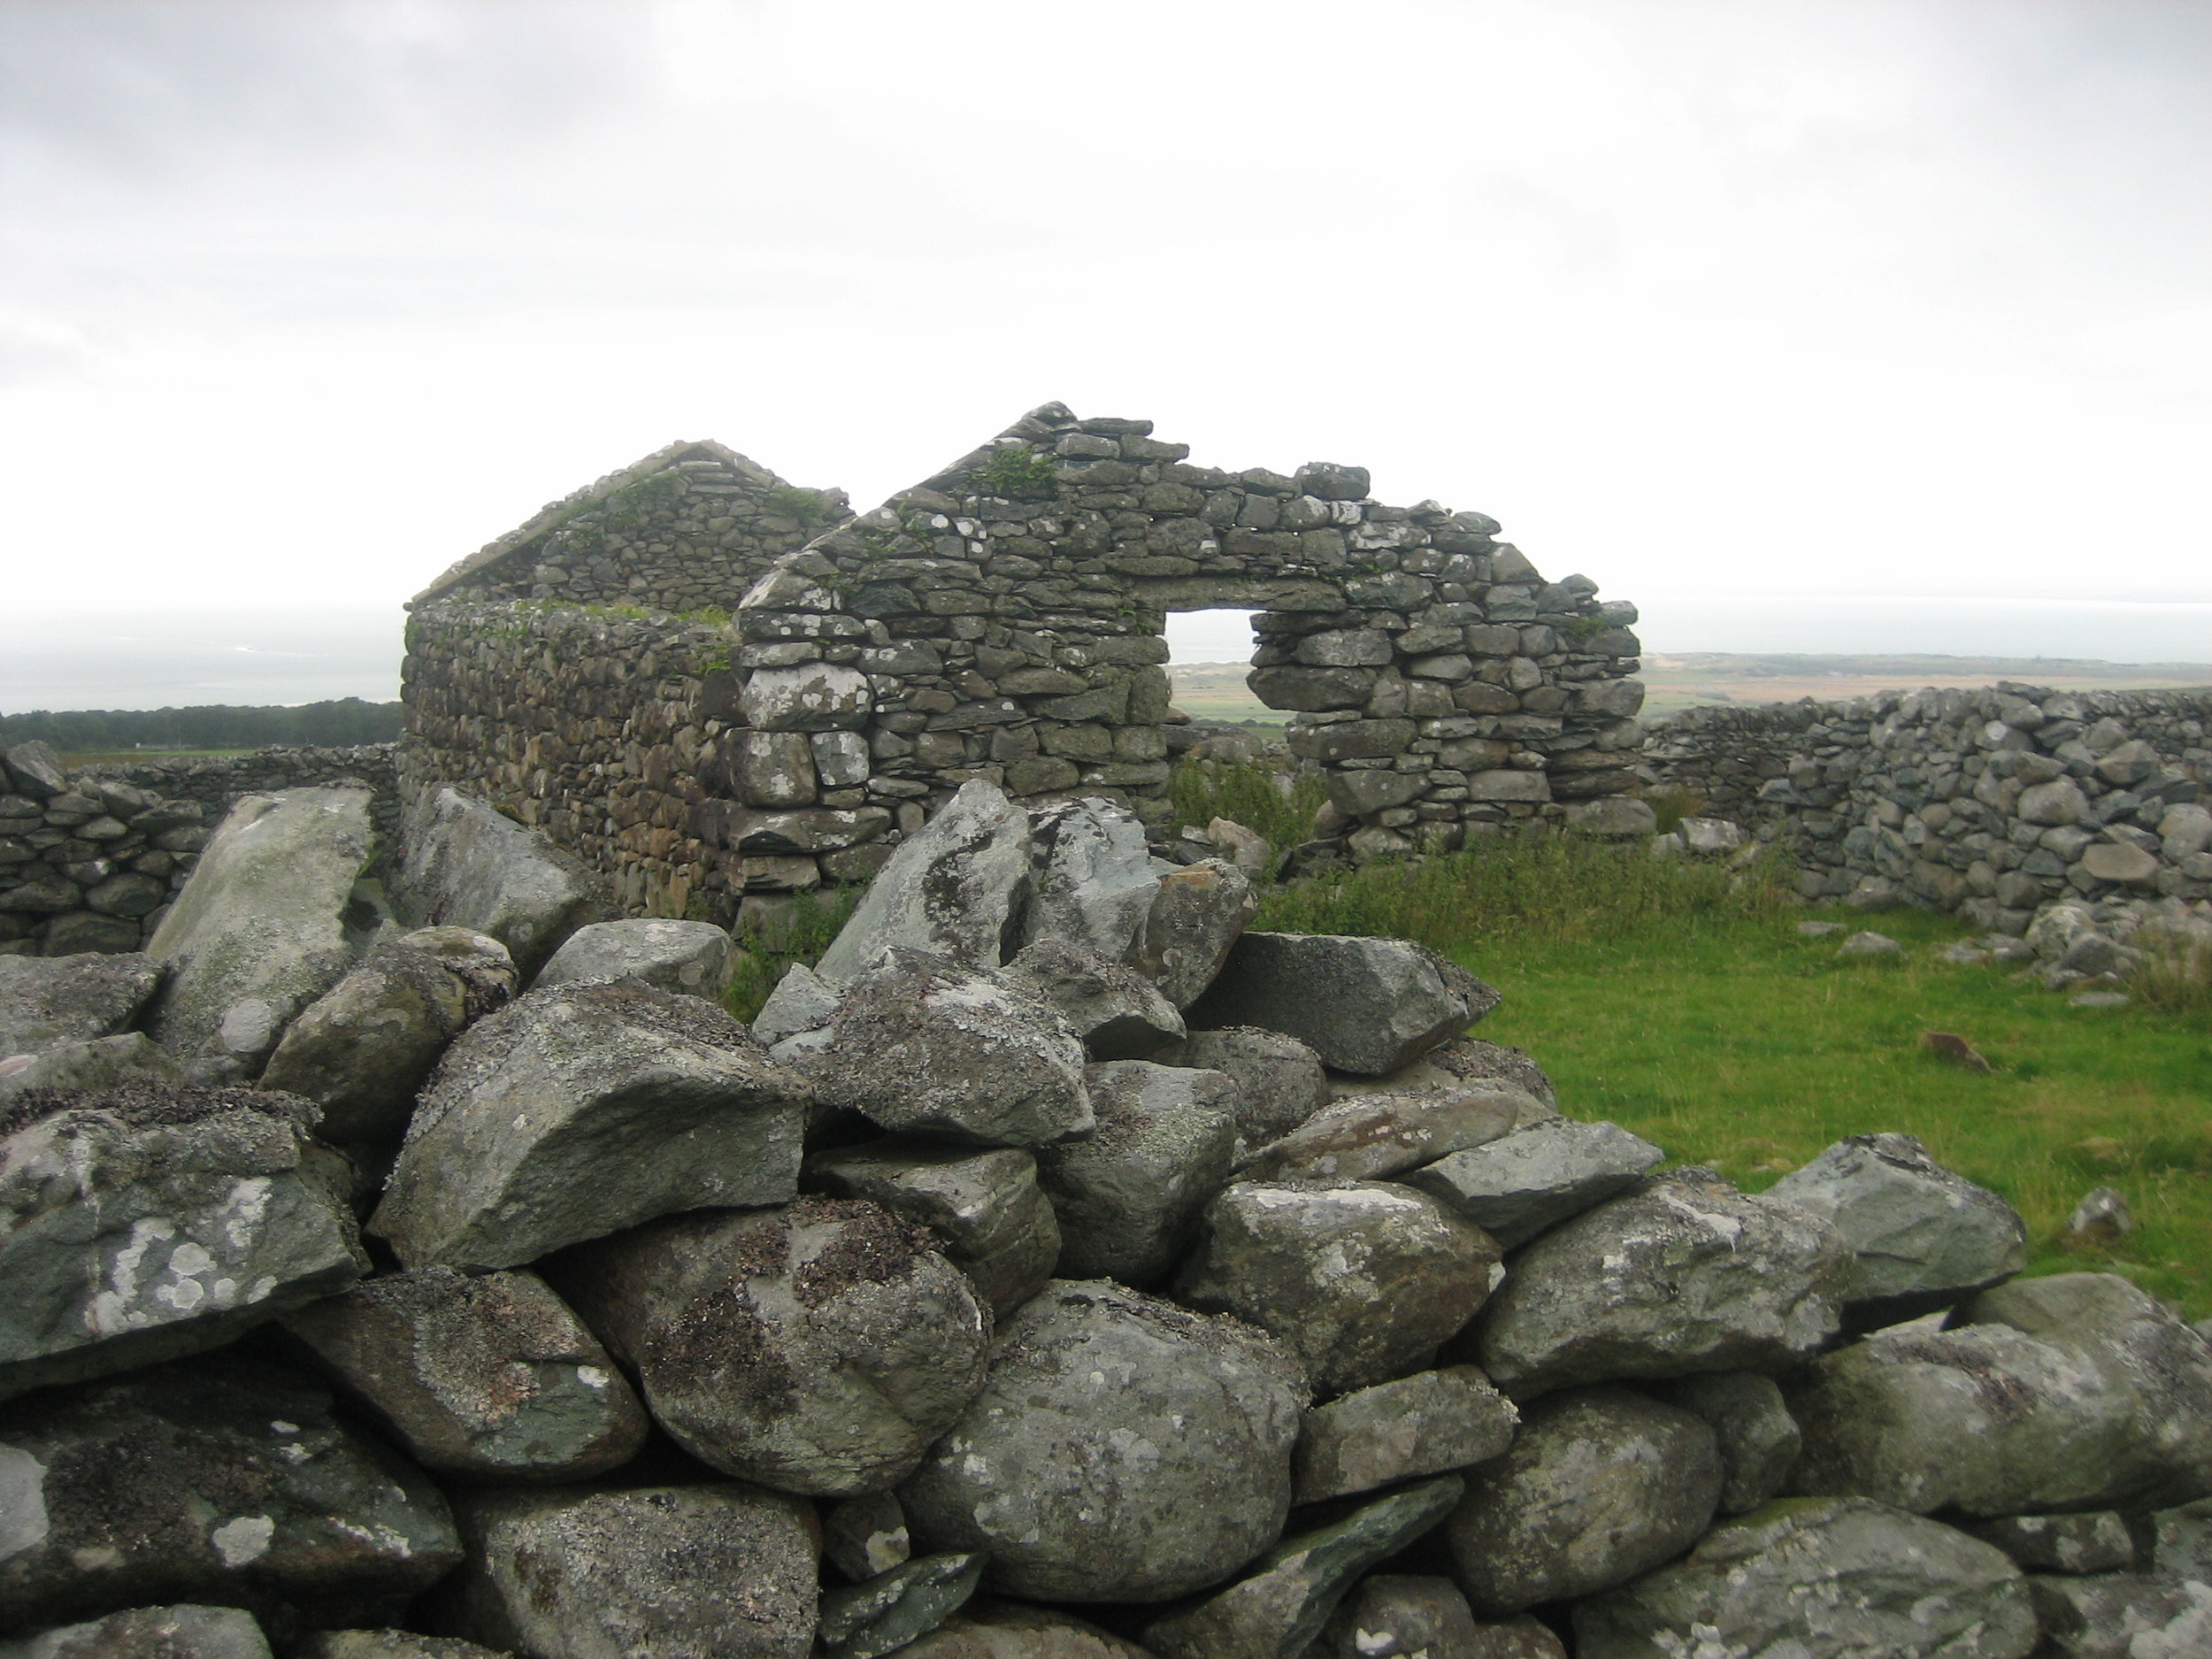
(1003, 620)
(1990, 803)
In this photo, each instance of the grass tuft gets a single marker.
(1277, 805)
(800, 932)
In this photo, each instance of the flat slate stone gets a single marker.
(1422, 1424)
(882, 1615)
(1369, 1137)
(49, 1000)
(184, 1632)
(1515, 1186)
(467, 864)
(1363, 1005)
(689, 958)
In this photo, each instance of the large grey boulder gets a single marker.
(1363, 1005)
(1282, 1603)
(1413, 1616)
(1836, 1578)
(1921, 1238)
(1515, 1186)
(1280, 1081)
(143, 1224)
(1198, 914)
(1422, 1424)
(1128, 1195)
(983, 1203)
(1092, 882)
(1600, 1483)
(2144, 1351)
(801, 1002)
(1117, 1012)
(1757, 1436)
(1122, 1449)
(210, 1480)
(49, 1000)
(2122, 1616)
(956, 890)
(712, 1572)
(690, 958)
(923, 1046)
(1988, 1420)
(185, 1632)
(261, 928)
(490, 1377)
(818, 1348)
(1367, 1137)
(580, 1111)
(105, 1064)
(465, 864)
(1364, 1280)
(362, 1049)
(1684, 1275)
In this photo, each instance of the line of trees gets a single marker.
(334, 724)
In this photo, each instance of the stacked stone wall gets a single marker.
(1004, 620)
(90, 857)
(1988, 802)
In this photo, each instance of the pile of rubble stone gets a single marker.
(1056, 1269)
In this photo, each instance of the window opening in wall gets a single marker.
(1208, 654)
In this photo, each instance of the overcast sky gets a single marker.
(1840, 325)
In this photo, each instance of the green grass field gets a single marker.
(1702, 1019)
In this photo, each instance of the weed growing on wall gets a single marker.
(800, 932)
(1016, 470)
(1253, 796)
(796, 503)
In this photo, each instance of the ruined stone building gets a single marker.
(710, 682)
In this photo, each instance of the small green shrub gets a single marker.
(801, 932)
(1017, 470)
(1203, 790)
(795, 500)
(2175, 978)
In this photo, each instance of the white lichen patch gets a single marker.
(242, 1540)
(23, 1520)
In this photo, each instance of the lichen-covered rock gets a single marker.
(1408, 1615)
(490, 1375)
(142, 1223)
(1472, 1060)
(511, 1151)
(2144, 1351)
(818, 1348)
(984, 1203)
(866, 1535)
(1515, 1186)
(389, 1644)
(1092, 880)
(955, 890)
(49, 1000)
(469, 865)
(883, 1614)
(1987, 1420)
(362, 1049)
(1835, 1579)
(2097, 1541)
(1128, 1195)
(2122, 1616)
(1367, 1137)
(710, 1571)
(261, 928)
(1751, 1425)
(1198, 916)
(1684, 1275)
(689, 958)
(1921, 1237)
(923, 1046)
(1281, 1604)
(1364, 1280)
(1599, 1485)
(985, 1629)
(184, 1632)
(1421, 1425)
(1117, 1012)
(105, 1064)
(1363, 1005)
(1280, 1081)
(1122, 1449)
(209, 1480)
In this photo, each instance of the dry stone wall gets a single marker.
(90, 857)
(1988, 802)
(1003, 620)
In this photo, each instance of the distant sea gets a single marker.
(158, 659)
